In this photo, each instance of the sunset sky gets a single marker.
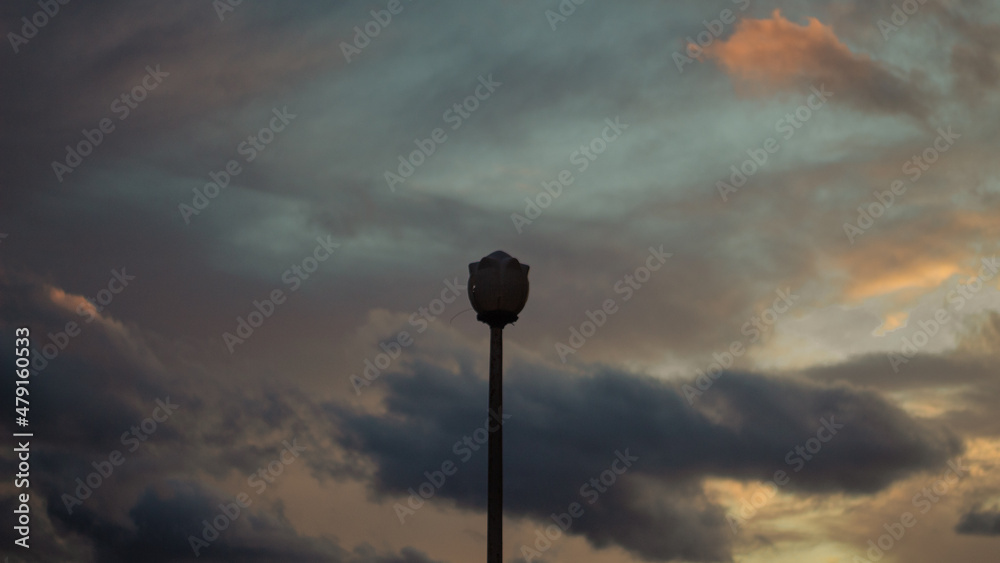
(763, 323)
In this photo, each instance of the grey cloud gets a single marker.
(980, 523)
(565, 430)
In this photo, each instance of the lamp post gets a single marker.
(498, 290)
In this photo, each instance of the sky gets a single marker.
(763, 321)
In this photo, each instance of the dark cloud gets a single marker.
(105, 382)
(212, 66)
(161, 523)
(968, 372)
(980, 523)
(565, 430)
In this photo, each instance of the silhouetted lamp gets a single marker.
(498, 290)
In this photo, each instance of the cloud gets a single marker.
(164, 518)
(975, 56)
(565, 430)
(962, 384)
(246, 62)
(773, 55)
(105, 381)
(984, 523)
(911, 257)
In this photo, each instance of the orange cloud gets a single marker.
(776, 54)
(922, 275)
(892, 321)
(73, 303)
(86, 311)
(896, 270)
(915, 258)
(778, 50)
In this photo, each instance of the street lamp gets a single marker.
(498, 290)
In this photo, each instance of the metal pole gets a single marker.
(494, 511)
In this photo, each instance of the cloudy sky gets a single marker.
(763, 323)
